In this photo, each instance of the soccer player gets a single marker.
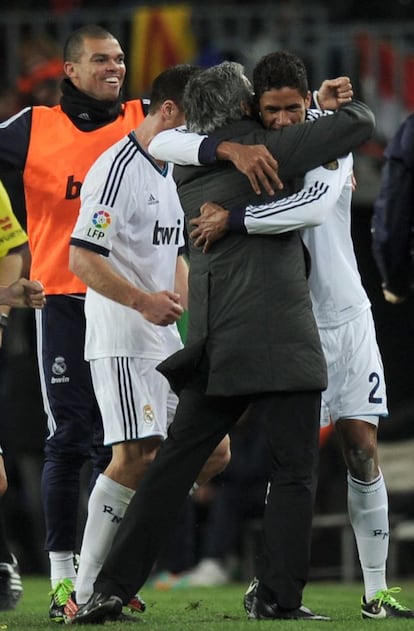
(54, 147)
(127, 246)
(15, 291)
(252, 340)
(355, 398)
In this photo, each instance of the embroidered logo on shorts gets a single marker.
(148, 414)
(59, 368)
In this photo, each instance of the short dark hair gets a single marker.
(73, 47)
(170, 84)
(278, 70)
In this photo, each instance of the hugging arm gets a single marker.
(306, 208)
(187, 148)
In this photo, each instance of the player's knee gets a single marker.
(362, 462)
(147, 459)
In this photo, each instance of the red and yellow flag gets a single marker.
(161, 37)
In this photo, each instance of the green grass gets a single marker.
(212, 609)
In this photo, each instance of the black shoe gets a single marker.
(384, 605)
(99, 609)
(59, 597)
(266, 611)
(250, 593)
(11, 587)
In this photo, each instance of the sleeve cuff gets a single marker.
(207, 150)
(87, 245)
(236, 220)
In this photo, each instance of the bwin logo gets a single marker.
(169, 235)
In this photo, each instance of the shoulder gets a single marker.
(137, 105)
(112, 170)
(43, 111)
(238, 130)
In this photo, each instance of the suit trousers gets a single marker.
(291, 423)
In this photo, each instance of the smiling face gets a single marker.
(99, 70)
(283, 107)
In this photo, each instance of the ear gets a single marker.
(69, 69)
(308, 99)
(168, 109)
(246, 108)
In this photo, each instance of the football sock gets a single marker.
(368, 512)
(106, 508)
(62, 566)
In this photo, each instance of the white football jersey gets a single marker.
(131, 213)
(335, 284)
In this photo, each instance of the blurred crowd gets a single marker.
(209, 557)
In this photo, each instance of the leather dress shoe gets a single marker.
(271, 611)
(99, 609)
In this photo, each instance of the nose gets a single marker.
(112, 64)
(283, 119)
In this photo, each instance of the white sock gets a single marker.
(61, 566)
(106, 508)
(368, 512)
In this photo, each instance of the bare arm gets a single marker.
(11, 268)
(181, 281)
(96, 272)
(22, 293)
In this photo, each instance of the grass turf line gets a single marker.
(212, 609)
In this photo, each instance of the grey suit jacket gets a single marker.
(249, 308)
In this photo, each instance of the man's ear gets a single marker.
(308, 99)
(246, 108)
(168, 109)
(69, 69)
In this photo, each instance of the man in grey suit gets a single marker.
(252, 340)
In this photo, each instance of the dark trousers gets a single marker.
(74, 419)
(291, 423)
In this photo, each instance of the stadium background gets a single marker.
(373, 43)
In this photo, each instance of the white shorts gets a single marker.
(356, 384)
(135, 400)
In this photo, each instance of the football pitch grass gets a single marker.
(213, 609)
